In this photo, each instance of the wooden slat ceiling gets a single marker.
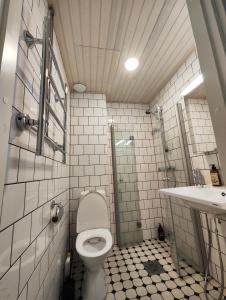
(97, 36)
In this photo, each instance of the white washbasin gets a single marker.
(207, 198)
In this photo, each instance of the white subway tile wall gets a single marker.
(167, 98)
(89, 168)
(91, 162)
(131, 119)
(32, 249)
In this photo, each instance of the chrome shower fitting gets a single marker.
(198, 179)
(30, 40)
(155, 111)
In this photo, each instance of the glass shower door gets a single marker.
(127, 212)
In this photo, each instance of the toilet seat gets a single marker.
(83, 237)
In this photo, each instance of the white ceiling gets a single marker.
(97, 36)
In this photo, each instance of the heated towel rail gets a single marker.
(51, 90)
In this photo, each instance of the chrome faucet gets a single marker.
(198, 179)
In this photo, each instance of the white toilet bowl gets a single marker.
(93, 242)
(93, 246)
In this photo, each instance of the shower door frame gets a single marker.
(167, 179)
(115, 184)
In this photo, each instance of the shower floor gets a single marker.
(127, 278)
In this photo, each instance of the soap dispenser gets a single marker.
(215, 176)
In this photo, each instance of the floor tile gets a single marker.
(127, 279)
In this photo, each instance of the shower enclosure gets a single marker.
(127, 212)
(183, 224)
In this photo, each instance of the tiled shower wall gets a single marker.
(89, 169)
(32, 249)
(133, 119)
(176, 217)
(91, 161)
(168, 97)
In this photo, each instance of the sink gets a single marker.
(207, 198)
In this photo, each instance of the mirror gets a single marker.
(200, 126)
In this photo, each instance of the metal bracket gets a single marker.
(53, 204)
(30, 40)
(57, 211)
(57, 98)
(165, 169)
(24, 122)
(59, 146)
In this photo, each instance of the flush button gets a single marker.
(223, 194)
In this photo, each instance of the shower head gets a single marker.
(155, 111)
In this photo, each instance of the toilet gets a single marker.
(94, 241)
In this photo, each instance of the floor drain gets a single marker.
(153, 267)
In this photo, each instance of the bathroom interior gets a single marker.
(113, 116)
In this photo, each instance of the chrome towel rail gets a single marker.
(54, 145)
(55, 116)
(48, 84)
(57, 97)
(56, 64)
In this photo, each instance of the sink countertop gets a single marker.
(207, 198)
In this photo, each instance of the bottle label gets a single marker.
(215, 179)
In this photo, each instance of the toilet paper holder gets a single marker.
(57, 211)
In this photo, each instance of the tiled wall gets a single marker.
(132, 119)
(32, 249)
(91, 161)
(89, 167)
(176, 217)
(168, 97)
(200, 125)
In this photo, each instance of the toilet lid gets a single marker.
(94, 242)
(92, 212)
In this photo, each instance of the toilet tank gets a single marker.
(92, 211)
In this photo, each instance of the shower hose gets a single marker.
(209, 257)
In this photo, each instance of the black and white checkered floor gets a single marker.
(127, 278)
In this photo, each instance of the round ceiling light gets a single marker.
(131, 64)
(79, 88)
